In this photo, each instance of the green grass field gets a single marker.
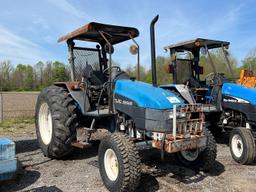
(17, 126)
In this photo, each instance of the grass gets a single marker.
(17, 126)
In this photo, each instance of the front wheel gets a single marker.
(202, 159)
(242, 145)
(119, 163)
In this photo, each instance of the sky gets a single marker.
(29, 29)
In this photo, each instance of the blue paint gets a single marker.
(242, 92)
(7, 166)
(7, 149)
(8, 162)
(145, 95)
(6, 141)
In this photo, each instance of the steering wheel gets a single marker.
(214, 78)
(112, 67)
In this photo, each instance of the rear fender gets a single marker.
(77, 94)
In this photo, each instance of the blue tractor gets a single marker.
(227, 106)
(101, 95)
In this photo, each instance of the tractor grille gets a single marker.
(84, 56)
(193, 120)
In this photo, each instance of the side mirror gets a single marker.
(133, 49)
(168, 68)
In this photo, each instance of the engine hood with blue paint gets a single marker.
(239, 91)
(145, 95)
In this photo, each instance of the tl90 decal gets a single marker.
(123, 102)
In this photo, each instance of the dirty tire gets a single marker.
(129, 171)
(206, 156)
(242, 136)
(63, 121)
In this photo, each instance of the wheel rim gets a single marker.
(111, 164)
(190, 155)
(45, 123)
(237, 145)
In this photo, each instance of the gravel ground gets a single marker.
(80, 172)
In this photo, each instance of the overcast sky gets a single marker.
(29, 29)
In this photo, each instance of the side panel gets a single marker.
(146, 119)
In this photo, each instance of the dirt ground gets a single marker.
(18, 104)
(80, 172)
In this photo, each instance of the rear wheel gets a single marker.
(202, 159)
(242, 145)
(119, 163)
(55, 121)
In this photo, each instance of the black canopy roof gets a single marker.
(90, 32)
(191, 44)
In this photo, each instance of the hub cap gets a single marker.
(45, 123)
(190, 155)
(237, 145)
(111, 164)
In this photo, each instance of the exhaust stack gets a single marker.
(153, 50)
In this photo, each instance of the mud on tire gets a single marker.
(206, 157)
(60, 121)
(127, 177)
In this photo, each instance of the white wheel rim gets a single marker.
(190, 155)
(237, 145)
(111, 164)
(45, 123)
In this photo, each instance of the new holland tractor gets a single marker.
(227, 105)
(102, 95)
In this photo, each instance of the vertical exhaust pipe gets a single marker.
(153, 50)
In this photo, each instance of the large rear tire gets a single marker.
(119, 163)
(55, 121)
(202, 159)
(242, 145)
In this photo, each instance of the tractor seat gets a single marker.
(96, 78)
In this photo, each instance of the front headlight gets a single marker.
(182, 115)
(178, 115)
(171, 115)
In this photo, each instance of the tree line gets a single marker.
(26, 77)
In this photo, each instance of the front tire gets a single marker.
(55, 121)
(119, 163)
(242, 145)
(202, 159)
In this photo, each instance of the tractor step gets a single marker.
(81, 144)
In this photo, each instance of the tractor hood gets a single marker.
(240, 93)
(145, 95)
